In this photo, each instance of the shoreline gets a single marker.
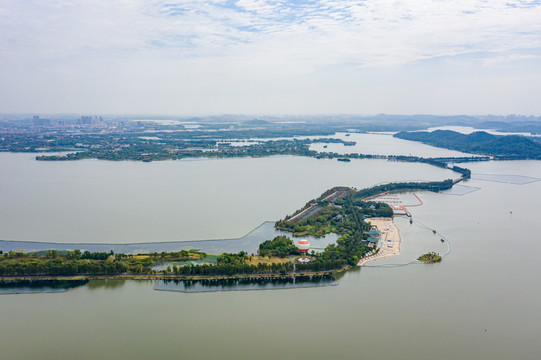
(389, 241)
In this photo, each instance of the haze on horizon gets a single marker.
(254, 56)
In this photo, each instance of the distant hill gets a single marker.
(256, 122)
(480, 142)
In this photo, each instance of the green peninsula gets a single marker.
(341, 210)
(510, 147)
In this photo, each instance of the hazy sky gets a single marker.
(275, 57)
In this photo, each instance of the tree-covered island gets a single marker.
(430, 258)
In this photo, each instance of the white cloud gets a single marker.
(180, 45)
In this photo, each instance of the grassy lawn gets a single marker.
(256, 259)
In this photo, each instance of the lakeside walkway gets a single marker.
(389, 242)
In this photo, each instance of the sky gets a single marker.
(270, 57)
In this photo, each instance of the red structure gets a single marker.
(303, 246)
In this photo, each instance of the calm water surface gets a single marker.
(383, 144)
(126, 202)
(489, 281)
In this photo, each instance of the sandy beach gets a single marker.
(389, 243)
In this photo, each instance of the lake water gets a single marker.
(126, 202)
(481, 302)
(248, 243)
(383, 144)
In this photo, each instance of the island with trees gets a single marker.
(430, 258)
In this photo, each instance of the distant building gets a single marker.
(37, 121)
(373, 235)
(93, 121)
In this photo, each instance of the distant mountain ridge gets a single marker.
(256, 122)
(480, 142)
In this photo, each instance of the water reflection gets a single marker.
(267, 283)
(106, 284)
(38, 286)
